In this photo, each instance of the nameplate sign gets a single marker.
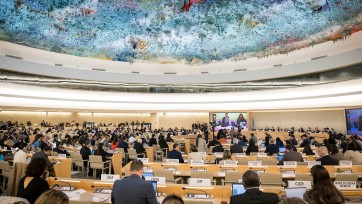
(197, 162)
(345, 163)
(144, 160)
(230, 163)
(288, 173)
(345, 185)
(240, 155)
(262, 155)
(300, 184)
(313, 163)
(172, 161)
(109, 178)
(218, 154)
(160, 180)
(290, 163)
(255, 163)
(199, 182)
(62, 156)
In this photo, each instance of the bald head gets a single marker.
(322, 151)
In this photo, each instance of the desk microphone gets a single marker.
(70, 186)
(186, 188)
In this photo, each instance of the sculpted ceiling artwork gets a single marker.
(190, 32)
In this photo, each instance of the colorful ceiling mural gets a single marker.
(177, 31)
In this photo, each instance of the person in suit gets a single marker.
(293, 140)
(305, 140)
(152, 141)
(272, 148)
(218, 147)
(267, 138)
(224, 120)
(175, 153)
(253, 195)
(44, 154)
(123, 144)
(252, 147)
(139, 147)
(133, 189)
(290, 155)
(326, 159)
(236, 148)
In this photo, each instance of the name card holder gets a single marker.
(262, 155)
(345, 185)
(255, 163)
(197, 162)
(300, 184)
(230, 163)
(144, 160)
(345, 163)
(160, 180)
(218, 154)
(290, 164)
(200, 182)
(109, 177)
(62, 156)
(240, 155)
(288, 173)
(313, 163)
(172, 161)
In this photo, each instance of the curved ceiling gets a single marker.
(191, 32)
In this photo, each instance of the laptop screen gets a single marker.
(281, 149)
(295, 192)
(147, 174)
(238, 188)
(154, 183)
(280, 157)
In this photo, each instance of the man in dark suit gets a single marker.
(217, 148)
(291, 155)
(175, 153)
(44, 154)
(272, 148)
(138, 146)
(253, 195)
(305, 141)
(326, 159)
(123, 144)
(133, 190)
(236, 148)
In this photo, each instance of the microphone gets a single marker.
(170, 166)
(93, 186)
(206, 195)
(65, 189)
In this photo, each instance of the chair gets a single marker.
(268, 162)
(121, 150)
(232, 177)
(170, 178)
(271, 179)
(132, 154)
(95, 162)
(79, 162)
(303, 177)
(347, 177)
(54, 154)
(204, 175)
(5, 172)
(158, 152)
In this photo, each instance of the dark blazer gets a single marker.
(236, 149)
(272, 149)
(328, 160)
(163, 144)
(133, 190)
(252, 149)
(218, 149)
(124, 145)
(174, 154)
(305, 142)
(255, 196)
(42, 154)
(139, 148)
(152, 141)
(291, 156)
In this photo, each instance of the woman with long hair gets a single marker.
(200, 144)
(323, 190)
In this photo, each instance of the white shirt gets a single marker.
(131, 139)
(20, 156)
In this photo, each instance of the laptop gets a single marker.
(238, 188)
(281, 149)
(147, 174)
(295, 192)
(280, 157)
(154, 184)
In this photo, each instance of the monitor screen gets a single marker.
(238, 188)
(147, 174)
(354, 121)
(295, 192)
(154, 183)
(281, 149)
(280, 157)
(229, 120)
